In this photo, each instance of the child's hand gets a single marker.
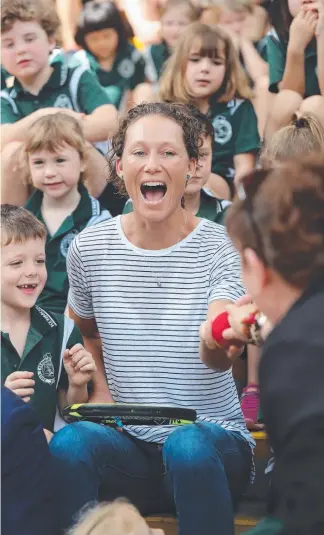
(302, 30)
(21, 383)
(79, 365)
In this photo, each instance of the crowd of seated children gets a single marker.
(253, 72)
(28, 37)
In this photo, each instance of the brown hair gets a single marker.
(213, 11)
(110, 518)
(305, 134)
(41, 11)
(282, 219)
(212, 40)
(18, 225)
(51, 132)
(179, 113)
(193, 11)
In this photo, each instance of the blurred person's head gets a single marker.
(231, 14)
(101, 29)
(204, 65)
(277, 224)
(119, 517)
(282, 13)
(303, 136)
(176, 15)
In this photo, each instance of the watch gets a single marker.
(252, 327)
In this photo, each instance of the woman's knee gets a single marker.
(188, 447)
(315, 105)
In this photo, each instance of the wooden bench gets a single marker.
(242, 522)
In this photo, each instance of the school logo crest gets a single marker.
(223, 129)
(126, 68)
(45, 369)
(66, 242)
(63, 101)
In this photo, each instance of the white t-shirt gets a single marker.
(150, 332)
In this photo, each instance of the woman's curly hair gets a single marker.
(180, 113)
(286, 210)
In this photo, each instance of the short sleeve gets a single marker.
(8, 113)
(225, 274)
(79, 298)
(90, 93)
(276, 56)
(247, 138)
(139, 74)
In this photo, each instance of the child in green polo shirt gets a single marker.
(42, 355)
(176, 15)
(28, 35)
(198, 198)
(55, 153)
(295, 50)
(204, 70)
(102, 35)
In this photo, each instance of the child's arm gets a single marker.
(100, 124)
(320, 46)
(80, 367)
(255, 65)
(244, 163)
(21, 383)
(302, 30)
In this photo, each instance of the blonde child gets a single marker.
(204, 70)
(55, 153)
(117, 518)
(295, 50)
(43, 360)
(304, 136)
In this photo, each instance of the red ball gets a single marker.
(219, 325)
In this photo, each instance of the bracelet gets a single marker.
(252, 326)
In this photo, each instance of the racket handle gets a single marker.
(219, 325)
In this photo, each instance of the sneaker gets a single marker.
(250, 404)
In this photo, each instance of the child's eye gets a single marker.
(203, 155)
(41, 261)
(217, 62)
(61, 160)
(194, 60)
(29, 39)
(38, 162)
(8, 45)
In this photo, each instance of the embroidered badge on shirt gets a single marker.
(66, 242)
(63, 101)
(45, 370)
(223, 129)
(126, 68)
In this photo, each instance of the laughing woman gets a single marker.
(147, 280)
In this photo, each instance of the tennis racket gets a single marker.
(120, 414)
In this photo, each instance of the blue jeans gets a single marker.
(200, 473)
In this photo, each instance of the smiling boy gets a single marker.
(29, 29)
(42, 355)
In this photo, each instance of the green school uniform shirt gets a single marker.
(48, 337)
(267, 526)
(236, 132)
(277, 55)
(156, 56)
(210, 208)
(72, 88)
(126, 73)
(87, 213)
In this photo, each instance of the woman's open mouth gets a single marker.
(153, 192)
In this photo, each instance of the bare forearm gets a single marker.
(254, 64)
(95, 174)
(17, 131)
(294, 75)
(100, 386)
(76, 394)
(101, 124)
(68, 12)
(216, 359)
